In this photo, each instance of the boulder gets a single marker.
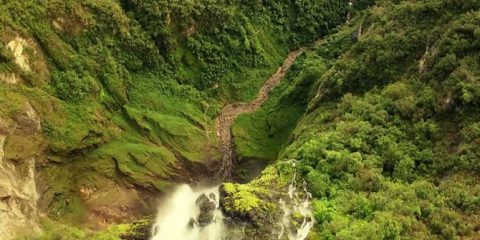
(207, 208)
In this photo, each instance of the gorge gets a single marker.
(186, 215)
(229, 119)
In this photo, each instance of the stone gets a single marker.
(9, 78)
(207, 208)
(32, 116)
(17, 46)
(192, 223)
(18, 194)
(18, 198)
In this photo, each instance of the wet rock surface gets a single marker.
(207, 208)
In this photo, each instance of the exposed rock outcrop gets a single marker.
(9, 78)
(17, 46)
(29, 64)
(115, 205)
(19, 149)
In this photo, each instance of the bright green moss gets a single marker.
(174, 132)
(258, 196)
(241, 197)
(140, 162)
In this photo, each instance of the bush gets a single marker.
(72, 87)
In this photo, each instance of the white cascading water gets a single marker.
(182, 215)
(179, 217)
(298, 204)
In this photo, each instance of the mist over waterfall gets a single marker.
(190, 214)
(195, 214)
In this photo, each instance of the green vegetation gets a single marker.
(389, 141)
(127, 91)
(381, 116)
(262, 134)
(244, 198)
(389, 144)
(255, 203)
(57, 231)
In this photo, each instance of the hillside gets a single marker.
(106, 106)
(389, 141)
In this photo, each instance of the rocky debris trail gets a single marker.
(229, 113)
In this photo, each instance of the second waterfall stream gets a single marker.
(195, 214)
(296, 203)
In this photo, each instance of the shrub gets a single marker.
(72, 87)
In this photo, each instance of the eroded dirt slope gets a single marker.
(229, 113)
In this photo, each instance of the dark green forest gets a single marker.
(107, 104)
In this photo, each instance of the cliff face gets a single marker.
(20, 147)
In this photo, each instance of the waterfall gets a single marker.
(195, 214)
(190, 214)
(297, 219)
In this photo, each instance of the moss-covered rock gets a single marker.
(253, 207)
(139, 230)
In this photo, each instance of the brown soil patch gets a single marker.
(229, 113)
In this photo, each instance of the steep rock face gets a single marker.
(17, 46)
(18, 195)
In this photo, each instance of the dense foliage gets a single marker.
(382, 116)
(127, 91)
(390, 144)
